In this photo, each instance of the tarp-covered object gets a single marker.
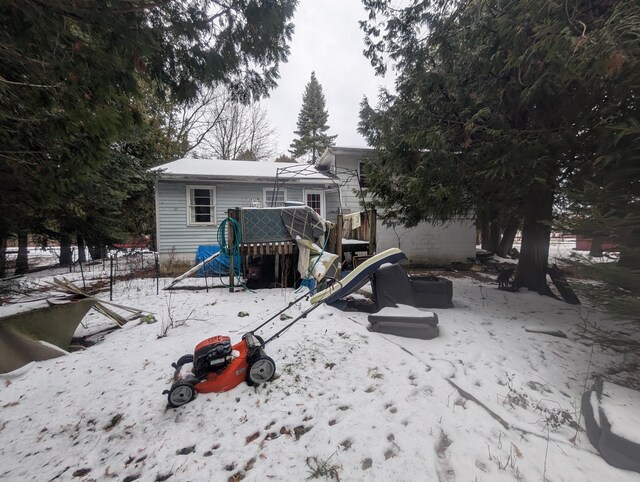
(303, 223)
(309, 231)
(612, 419)
(217, 267)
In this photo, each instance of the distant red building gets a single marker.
(583, 243)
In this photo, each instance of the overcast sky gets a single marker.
(327, 40)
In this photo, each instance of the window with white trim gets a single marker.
(314, 198)
(274, 199)
(201, 204)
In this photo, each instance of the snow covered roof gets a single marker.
(188, 168)
(328, 156)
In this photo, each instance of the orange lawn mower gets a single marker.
(218, 366)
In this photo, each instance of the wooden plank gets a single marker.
(193, 270)
(339, 243)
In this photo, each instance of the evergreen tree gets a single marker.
(312, 123)
(500, 104)
(71, 72)
(284, 158)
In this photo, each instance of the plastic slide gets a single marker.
(358, 277)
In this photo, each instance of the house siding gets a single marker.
(430, 244)
(349, 191)
(177, 239)
(424, 244)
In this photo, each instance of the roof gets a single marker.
(327, 156)
(218, 169)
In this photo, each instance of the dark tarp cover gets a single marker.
(217, 267)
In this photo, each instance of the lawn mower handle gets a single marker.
(302, 315)
(308, 293)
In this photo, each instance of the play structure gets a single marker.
(218, 366)
(392, 286)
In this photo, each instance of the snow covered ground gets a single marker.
(486, 401)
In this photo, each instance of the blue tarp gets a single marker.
(217, 267)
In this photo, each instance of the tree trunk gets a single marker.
(65, 250)
(485, 229)
(630, 251)
(22, 262)
(561, 283)
(494, 237)
(536, 230)
(94, 251)
(596, 246)
(510, 231)
(3, 257)
(82, 256)
(629, 258)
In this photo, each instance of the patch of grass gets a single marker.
(300, 430)
(115, 420)
(186, 450)
(81, 472)
(319, 468)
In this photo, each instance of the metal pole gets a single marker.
(84, 285)
(157, 274)
(111, 281)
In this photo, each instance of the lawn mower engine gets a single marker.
(218, 366)
(212, 355)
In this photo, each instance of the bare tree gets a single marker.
(222, 128)
(191, 123)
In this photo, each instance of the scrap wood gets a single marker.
(99, 305)
(192, 270)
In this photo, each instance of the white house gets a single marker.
(427, 243)
(194, 195)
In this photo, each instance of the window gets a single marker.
(361, 174)
(274, 198)
(201, 204)
(315, 200)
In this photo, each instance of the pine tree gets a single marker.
(71, 72)
(312, 123)
(501, 104)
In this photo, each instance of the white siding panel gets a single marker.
(430, 244)
(175, 236)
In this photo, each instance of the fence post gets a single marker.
(84, 284)
(157, 273)
(111, 280)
